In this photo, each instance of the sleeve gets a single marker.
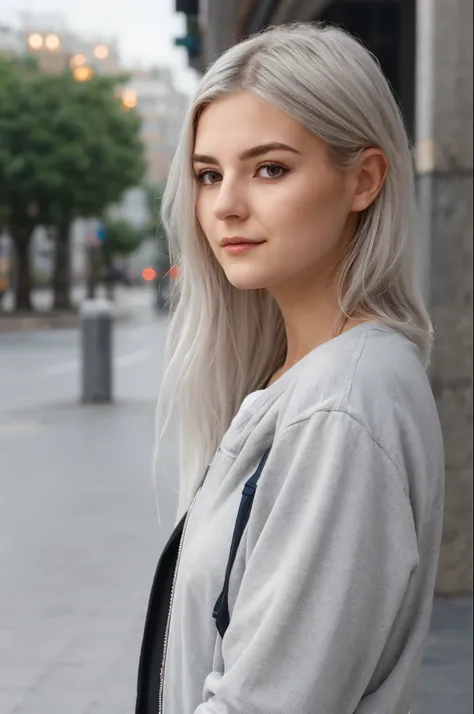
(331, 547)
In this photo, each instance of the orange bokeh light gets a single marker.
(149, 274)
(173, 272)
(82, 74)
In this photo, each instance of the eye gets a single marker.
(208, 177)
(273, 171)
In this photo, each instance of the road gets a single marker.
(79, 536)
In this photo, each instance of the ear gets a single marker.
(370, 173)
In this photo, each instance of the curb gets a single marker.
(66, 321)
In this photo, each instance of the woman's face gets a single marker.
(261, 176)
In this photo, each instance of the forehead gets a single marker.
(240, 120)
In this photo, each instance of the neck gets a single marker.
(311, 317)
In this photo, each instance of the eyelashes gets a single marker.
(209, 177)
(202, 177)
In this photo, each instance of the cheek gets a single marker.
(207, 224)
(205, 221)
(201, 213)
(311, 214)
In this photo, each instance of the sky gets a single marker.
(144, 29)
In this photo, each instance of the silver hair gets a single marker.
(224, 343)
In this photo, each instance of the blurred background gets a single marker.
(92, 99)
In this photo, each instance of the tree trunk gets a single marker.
(23, 271)
(62, 270)
(110, 290)
(109, 279)
(92, 272)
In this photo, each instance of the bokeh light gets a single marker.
(77, 61)
(35, 41)
(53, 42)
(101, 51)
(129, 98)
(173, 272)
(149, 274)
(82, 74)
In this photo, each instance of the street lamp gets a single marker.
(101, 52)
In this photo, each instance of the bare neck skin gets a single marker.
(310, 309)
(309, 322)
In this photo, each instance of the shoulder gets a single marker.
(373, 366)
(377, 379)
(376, 376)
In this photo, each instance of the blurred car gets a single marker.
(116, 274)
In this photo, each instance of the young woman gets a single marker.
(296, 358)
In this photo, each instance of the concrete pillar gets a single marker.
(218, 22)
(444, 154)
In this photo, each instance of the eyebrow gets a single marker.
(252, 153)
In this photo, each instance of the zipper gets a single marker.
(165, 643)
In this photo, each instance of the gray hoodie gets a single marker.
(331, 591)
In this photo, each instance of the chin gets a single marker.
(245, 278)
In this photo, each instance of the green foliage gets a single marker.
(120, 239)
(67, 148)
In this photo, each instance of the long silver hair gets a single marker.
(224, 343)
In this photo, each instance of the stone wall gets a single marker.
(445, 162)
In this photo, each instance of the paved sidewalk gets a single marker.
(445, 685)
(130, 304)
(78, 546)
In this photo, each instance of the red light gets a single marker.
(149, 274)
(174, 272)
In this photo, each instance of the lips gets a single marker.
(237, 240)
(240, 248)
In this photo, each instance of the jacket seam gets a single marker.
(366, 429)
(344, 400)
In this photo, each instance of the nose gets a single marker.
(231, 201)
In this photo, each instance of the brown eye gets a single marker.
(272, 171)
(208, 177)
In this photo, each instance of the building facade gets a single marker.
(425, 49)
(56, 47)
(10, 41)
(162, 108)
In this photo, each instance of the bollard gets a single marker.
(96, 347)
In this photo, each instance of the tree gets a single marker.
(19, 168)
(121, 239)
(110, 161)
(68, 149)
